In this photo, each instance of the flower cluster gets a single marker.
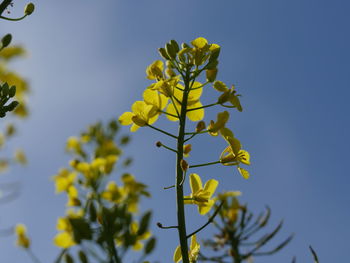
(176, 91)
(100, 211)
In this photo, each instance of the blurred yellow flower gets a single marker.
(22, 238)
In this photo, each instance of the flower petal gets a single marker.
(195, 183)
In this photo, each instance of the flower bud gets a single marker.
(200, 126)
(159, 144)
(187, 149)
(211, 74)
(6, 40)
(170, 50)
(29, 9)
(163, 53)
(184, 165)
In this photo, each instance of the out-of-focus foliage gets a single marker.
(239, 239)
(12, 85)
(102, 214)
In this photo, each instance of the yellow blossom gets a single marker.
(113, 193)
(215, 127)
(22, 238)
(141, 115)
(192, 253)
(64, 179)
(192, 103)
(201, 196)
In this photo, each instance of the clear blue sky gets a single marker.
(289, 59)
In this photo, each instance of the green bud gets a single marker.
(12, 91)
(175, 45)
(5, 89)
(29, 9)
(212, 64)
(170, 50)
(6, 40)
(214, 55)
(150, 245)
(211, 74)
(68, 258)
(163, 53)
(224, 97)
(12, 105)
(184, 45)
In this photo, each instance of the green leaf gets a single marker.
(144, 223)
(150, 245)
(81, 229)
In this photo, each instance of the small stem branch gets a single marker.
(166, 113)
(32, 256)
(167, 133)
(202, 107)
(210, 220)
(168, 187)
(204, 164)
(170, 149)
(165, 227)
(13, 19)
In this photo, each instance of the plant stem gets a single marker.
(4, 5)
(167, 133)
(180, 174)
(204, 164)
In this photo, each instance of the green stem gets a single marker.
(167, 133)
(4, 5)
(202, 107)
(204, 164)
(210, 220)
(166, 113)
(33, 257)
(170, 149)
(13, 19)
(180, 174)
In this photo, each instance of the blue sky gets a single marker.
(289, 59)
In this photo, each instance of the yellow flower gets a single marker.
(141, 115)
(64, 180)
(73, 194)
(228, 95)
(233, 154)
(155, 70)
(201, 196)
(157, 100)
(215, 127)
(113, 193)
(192, 103)
(192, 253)
(73, 144)
(138, 244)
(22, 238)
(65, 238)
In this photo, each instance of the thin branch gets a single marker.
(204, 164)
(202, 107)
(210, 220)
(167, 133)
(165, 227)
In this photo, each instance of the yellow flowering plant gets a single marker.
(178, 84)
(101, 212)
